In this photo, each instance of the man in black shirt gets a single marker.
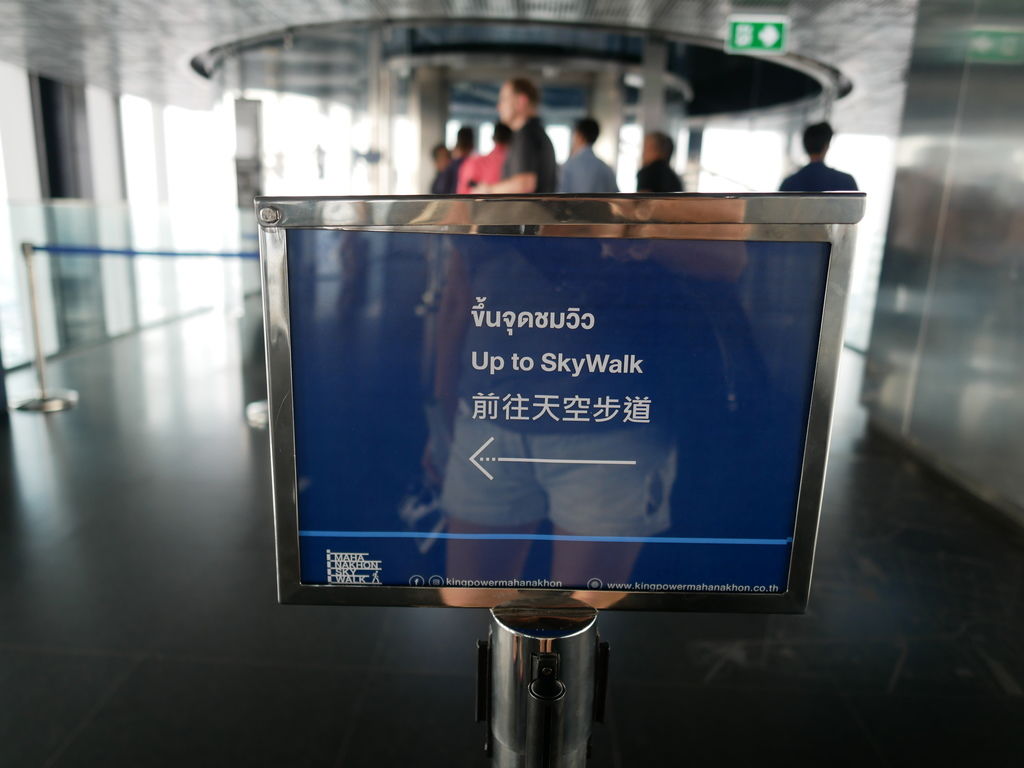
(657, 175)
(530, 163)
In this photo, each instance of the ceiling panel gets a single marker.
(144, 46)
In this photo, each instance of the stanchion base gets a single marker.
(54, 402)
(257, 414)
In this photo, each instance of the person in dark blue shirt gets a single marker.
(442, 159)
(816, 176)
(447, 181)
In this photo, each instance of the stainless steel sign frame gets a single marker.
(828, 218)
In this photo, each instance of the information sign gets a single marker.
(757, 34)
(471, 400)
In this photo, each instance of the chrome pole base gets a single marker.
(541, 683)
(53, 402)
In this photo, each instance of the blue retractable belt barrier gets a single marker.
(52, 401)
(74, 250)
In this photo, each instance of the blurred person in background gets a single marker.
(485, 169)
(656, 176)
(465, 145)
(816, 176)
(584, 172)
(442, 159)
(530, 165)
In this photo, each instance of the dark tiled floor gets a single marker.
(173, 712)
(787, 725)
(138, 624)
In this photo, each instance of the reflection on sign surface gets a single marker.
(485, 411)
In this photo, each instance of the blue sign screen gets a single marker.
(498, 411)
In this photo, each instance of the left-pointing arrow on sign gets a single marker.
(477, 464)
(476, 460)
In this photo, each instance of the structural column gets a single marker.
(652, 99)
(106, 155)
(429, 110)
(606, 106)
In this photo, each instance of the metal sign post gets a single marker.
(541, 683)
(548, 406)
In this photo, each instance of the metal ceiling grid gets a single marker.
(144, 46)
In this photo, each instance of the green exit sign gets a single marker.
(757, 34)
(996, 45)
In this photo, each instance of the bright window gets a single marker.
(739, 160)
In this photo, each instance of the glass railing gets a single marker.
(106, 270)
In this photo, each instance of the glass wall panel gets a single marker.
(11, 331)
(154, 280)
(871, 160)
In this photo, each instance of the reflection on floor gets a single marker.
(138, 623)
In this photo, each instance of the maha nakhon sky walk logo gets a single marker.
(352, 568)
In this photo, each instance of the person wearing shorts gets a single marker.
(500, 509)
(599, 500)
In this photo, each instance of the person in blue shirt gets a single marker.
(584, 172)
(816, 176)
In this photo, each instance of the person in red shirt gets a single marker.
(485, 169)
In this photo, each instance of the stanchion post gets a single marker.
(27, 251)
(541, 683)
(45, 400)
